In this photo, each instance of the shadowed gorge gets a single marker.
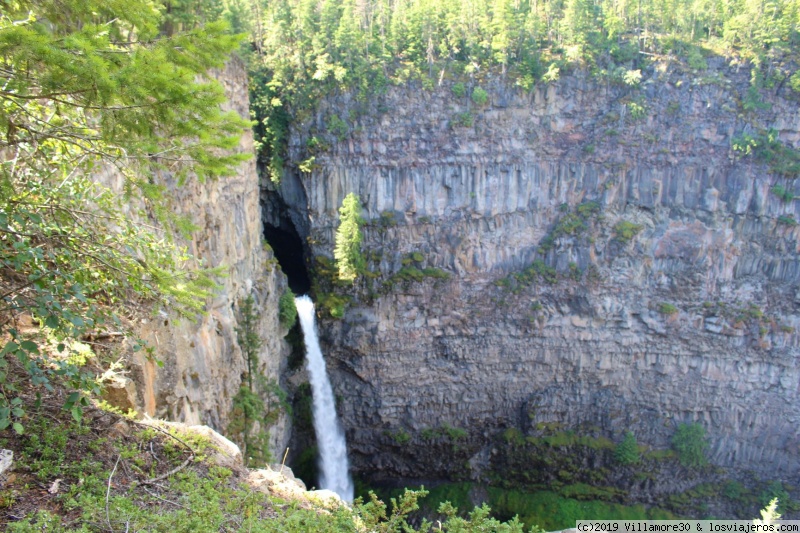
(288, 249)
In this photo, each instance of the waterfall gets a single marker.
(334, 467)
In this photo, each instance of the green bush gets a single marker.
(632, 78)
(627, 451)
(667, 308)
(569, 224)
(625, 231)
(552, 511)
(459, 90)
(334, 304)
(462, 120)
(337, 126)
(553, 73)
(480, 96)
(733, 490)
(514, 436)
(387, 219)
(436, 273)
(637, 110)
(782, 192)
(412, 273)
(588, 209)
(794, 82)
(689, 442)
(454, 433)
(767, 148)
(400, 436)
(696, 60)
(287, 311)
(429, 434)
(575, 272)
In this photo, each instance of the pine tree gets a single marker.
(250, 341)
(347, 252)
(86, 86)
(258, 404)
(627, 451)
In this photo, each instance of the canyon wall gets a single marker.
(203, 365)
(613, 264)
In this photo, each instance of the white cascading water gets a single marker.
(334, 467)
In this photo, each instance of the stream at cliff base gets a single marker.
(333, 464)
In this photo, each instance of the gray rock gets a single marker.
(469, 354)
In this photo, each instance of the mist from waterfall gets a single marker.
(334, 467)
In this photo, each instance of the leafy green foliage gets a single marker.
(689, 441)
(794, 81)
(337, 126)
(548, 509)
(333, 303)
(528, 275)
(551, 511)
(305, 50)
(782, 192)
(91, 89)
(767, 148)
(572, 223)
(627, 451)
(412, 273)
(769, 514)
(252, 416)
(287, 310)
(632, 78)
(695, 59)
(667, 308)
(625, 231)
(400, 436)
(637, 110)
(480, 96)
(588, 209)
(349, 259)
(463, 120)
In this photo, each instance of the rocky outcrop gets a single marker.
(276, 480)
(202, 363)
(613, 264)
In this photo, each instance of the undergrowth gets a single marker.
(105, 473)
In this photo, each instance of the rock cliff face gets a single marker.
(613, 264)
(203, 363)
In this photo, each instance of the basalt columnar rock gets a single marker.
(613, 263)
(203, 365)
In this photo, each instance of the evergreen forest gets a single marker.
(307, 48)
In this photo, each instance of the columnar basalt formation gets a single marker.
(613, 264)
(203, 365)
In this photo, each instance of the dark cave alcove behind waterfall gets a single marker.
(288, 248)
